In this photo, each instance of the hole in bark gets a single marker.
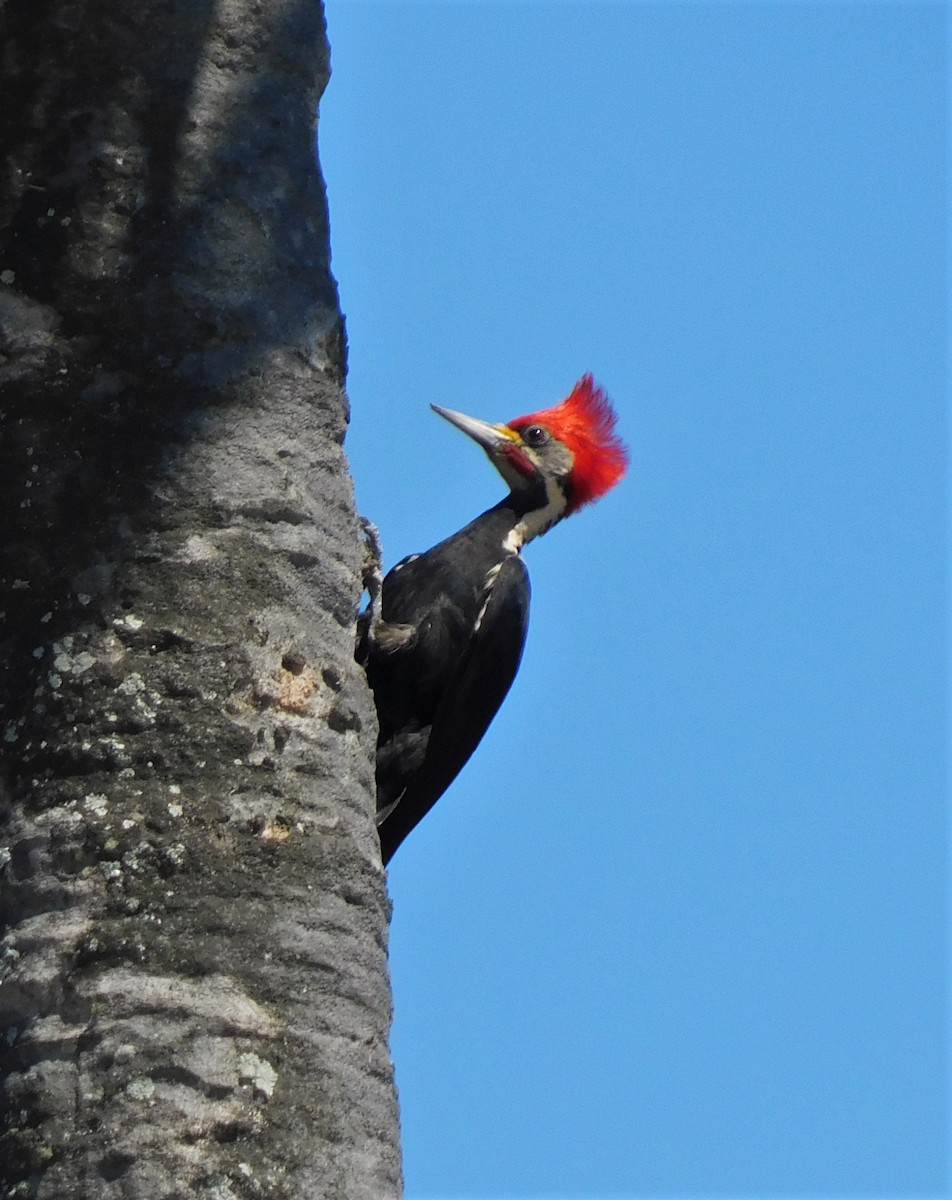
(168, 639)
(115, 1165)
(333, 678)
(340, 719)
(231, 1131)
(294, 662)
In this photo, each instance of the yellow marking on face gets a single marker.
(512, 434)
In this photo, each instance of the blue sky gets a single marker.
(679, 930)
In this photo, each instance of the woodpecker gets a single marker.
(443, 641)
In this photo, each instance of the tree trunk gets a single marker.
(195, 996)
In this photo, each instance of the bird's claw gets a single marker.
(371, 571)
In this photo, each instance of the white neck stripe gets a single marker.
(539, 520)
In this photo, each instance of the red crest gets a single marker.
(585, 422)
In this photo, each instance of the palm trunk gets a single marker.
(195, 993)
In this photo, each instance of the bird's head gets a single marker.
(567, 456)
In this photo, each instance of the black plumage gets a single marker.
(454, 626)
(442, 641)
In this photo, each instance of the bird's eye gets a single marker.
(535, 435)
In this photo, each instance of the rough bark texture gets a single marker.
(195, 996)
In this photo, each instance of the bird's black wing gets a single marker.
(469, 702)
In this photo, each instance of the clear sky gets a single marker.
(679, 930)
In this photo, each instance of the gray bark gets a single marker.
(195, 996)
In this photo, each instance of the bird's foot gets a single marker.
(371, 571)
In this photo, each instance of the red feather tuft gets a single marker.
(585, 422)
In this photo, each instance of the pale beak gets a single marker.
(490, 437)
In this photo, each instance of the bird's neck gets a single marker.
(527, 514)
